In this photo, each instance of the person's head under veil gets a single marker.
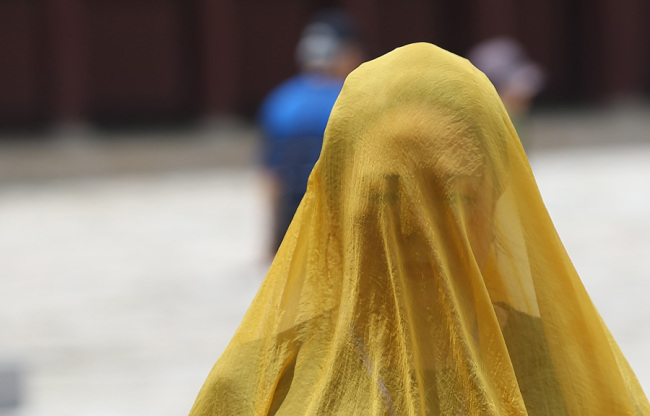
(421, 273)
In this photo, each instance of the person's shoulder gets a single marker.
(284, 93)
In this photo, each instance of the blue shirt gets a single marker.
(293, 119)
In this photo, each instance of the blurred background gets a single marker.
(134, 218)
(104, 62)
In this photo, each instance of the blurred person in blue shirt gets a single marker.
(294, 115)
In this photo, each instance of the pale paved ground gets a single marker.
(119, 292)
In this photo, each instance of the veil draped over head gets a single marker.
(422, 274)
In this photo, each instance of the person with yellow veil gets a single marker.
(422, 274)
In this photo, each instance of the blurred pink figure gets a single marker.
(517, 79)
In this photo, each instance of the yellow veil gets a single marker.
(422, 274)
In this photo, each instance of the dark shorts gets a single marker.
(287, 208)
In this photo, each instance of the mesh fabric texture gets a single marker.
(422, 274)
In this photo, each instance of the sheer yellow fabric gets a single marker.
(421, 274)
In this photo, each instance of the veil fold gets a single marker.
(422, 274)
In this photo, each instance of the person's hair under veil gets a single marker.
(422, 273)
